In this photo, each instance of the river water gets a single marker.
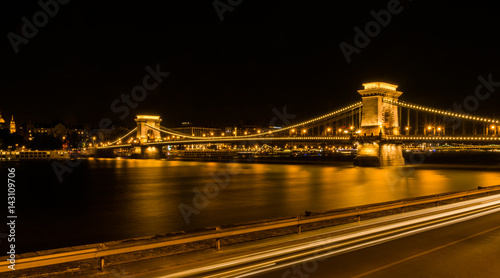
(111, 199)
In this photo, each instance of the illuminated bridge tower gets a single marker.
(143, 131)
(379, 118)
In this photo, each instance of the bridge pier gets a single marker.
(147, 152)
(379, 154)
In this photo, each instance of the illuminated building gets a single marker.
(12, 125)
(3, 125)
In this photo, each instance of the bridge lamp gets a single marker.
(407, 128)
(329, 129)
(493, 127)
(211, 134)
(304, 131)
(429, 127)
(204, 135)
(346, 131)
(222, 134)
(293, 130)
(258, 131)
(245, 133)
(351, 127)
(439, 128)
(340, 130)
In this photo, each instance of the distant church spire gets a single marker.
(12, 125)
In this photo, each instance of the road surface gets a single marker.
(465, 249)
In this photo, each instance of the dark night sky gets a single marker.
(264, 55)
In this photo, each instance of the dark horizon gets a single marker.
(263, 55)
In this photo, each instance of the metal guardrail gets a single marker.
(103, 251)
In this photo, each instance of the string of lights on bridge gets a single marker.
(123, 137)
(228, 139)
(348, 108)
(440, 138)
(437, 111)
(243, 138)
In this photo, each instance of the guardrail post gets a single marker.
(217, 241)
(101, 259)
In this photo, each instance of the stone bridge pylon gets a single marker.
(379, 118)
(145, 133)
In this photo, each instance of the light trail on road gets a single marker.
(277, 258)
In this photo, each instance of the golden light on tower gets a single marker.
(12, 125)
